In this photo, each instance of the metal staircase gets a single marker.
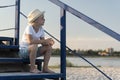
(62, 75)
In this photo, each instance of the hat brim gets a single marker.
(35, 17)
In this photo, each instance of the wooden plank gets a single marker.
(18, 60)
(10, 64)
(9, 47)
(6, 38)
(10, 39)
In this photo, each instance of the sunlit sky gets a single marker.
(80, 35)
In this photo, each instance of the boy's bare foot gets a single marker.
(35, 71)
(48, 71)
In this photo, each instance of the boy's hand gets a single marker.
(51, 42)
(48, 42)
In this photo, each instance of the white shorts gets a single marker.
(23, 52)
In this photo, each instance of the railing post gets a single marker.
(17, 21)
(63, 43)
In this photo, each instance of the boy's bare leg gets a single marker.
(46, 50)
(32, 56)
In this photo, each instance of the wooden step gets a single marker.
(17, 64)
(7, 48)
(29, 76)
(18, 60)
(8, 45)
(9, 39)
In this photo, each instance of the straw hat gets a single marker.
(33, 15)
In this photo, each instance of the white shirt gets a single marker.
(29, 30)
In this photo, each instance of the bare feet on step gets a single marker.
(35, 71)
(48, 71)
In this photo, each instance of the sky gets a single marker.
(79, 34)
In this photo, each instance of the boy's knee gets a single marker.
(49, 48)
(33, 47)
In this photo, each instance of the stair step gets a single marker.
(9, 60)
(10, 39)
(17, 64)
(28, 75)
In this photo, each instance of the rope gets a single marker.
(23, 15)
(78, 54)
(6, 6)
(7, 29)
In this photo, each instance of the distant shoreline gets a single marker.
(88, 56)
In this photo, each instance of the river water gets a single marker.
(97, 61)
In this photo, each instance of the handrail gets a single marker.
(87, 19)
(7, 29)
(6, 6)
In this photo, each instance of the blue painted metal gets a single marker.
(14, 47)
(11, 46)
(87, 19)
(7, 39)
(63, 43)
(17, 22)
(38, 62)
(28, 76)
(18, 60)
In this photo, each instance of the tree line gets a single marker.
(90, 52)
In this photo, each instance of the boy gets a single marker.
(32, 37)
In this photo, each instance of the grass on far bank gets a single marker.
(69, 64)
